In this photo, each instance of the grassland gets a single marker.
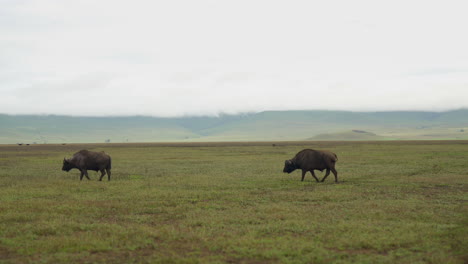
(397, 202)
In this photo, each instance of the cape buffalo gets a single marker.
(310, 160)
(85, 160)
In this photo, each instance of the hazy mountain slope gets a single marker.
(270, 125)
(453, 118)
(348, 135)
(56, 129)
(287, 125)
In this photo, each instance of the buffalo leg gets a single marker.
(313, 174)
(103, 172)
(335, 173)
(85, 172)
(81, 176)
(326, 175)
(303, 174)
(108, 174)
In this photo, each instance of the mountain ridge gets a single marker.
(267, 125)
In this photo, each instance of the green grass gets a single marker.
(398, 202)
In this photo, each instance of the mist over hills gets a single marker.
(268, 125)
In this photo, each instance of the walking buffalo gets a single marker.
(85, 160)
(310, 160)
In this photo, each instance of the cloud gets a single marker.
(181, 57)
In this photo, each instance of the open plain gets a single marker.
(397, 202)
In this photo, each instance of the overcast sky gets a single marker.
(205, 57)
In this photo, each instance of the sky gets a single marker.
(207, 57)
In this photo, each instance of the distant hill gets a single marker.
(349, 135)
(269, 125)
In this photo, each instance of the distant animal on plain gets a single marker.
(85, 160)
(310, 160)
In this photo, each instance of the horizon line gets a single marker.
(221, 113)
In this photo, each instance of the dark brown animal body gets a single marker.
(310, 160)
(85, 160)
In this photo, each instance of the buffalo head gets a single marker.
(289, 166)
(67, 166)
